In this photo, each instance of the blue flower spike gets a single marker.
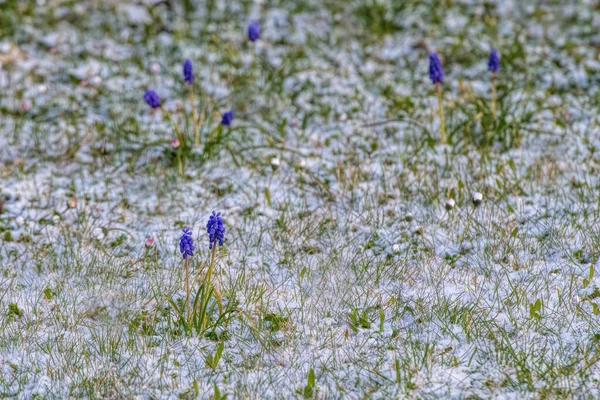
(188, 72)
(215, 229)
(152, 99)
(494, 61)
(186, 243)
(254, 31)
(227, 118)
(436, 72)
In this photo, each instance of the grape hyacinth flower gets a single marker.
(188, 77)
(436, 74)
(254, 31)
(215, 229)
(188, 72)
(227, 118)
(216, 234)
(186, 244)
(494, 61)
(186, 247)
(152, 98)
(494, 67)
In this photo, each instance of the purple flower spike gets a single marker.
(215, 229)
(436, 72)
(254, 31)
(152, 98)
(227, 118)
(188, 72)
(494, 61)
(186, 244)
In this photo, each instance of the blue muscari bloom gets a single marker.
(152, 98)
(186, 244)
(494, 61)
(188, 71)
(436, 72)
(253, 31)
(227, 118)
(215, 229)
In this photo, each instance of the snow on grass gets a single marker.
(361, 259)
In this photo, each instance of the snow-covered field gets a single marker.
(362, 257)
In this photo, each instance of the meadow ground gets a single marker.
(362, 257)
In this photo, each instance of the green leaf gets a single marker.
(534, 309)
(311, 377)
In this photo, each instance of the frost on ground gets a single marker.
(367, 259)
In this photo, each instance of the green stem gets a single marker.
(179, 162)
(207, 282)
(194, 117)
(494, 94)
(438, 87)
(179, 135)
(187, 287)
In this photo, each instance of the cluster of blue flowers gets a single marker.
(186, 243)
(216, 234)
(227, 118)
(215, 229)
(494, 61)
(254, 31)
(152, 99)
(436, 72)
(188, 71)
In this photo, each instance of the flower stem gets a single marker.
(187, 286)
(208, 280)
(179, 135)
(438, 87)
(494, 94)
(194, 117)
(179, 162)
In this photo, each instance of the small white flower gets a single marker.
(344, 117)
(155, 68)
(477, 198)
(396, 248)
(20, 220)
(42, 88)
(450, 204)
(55, 218)
(275, 162)
(302, 163)
(95, 81)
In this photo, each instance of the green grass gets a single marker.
(344, 274)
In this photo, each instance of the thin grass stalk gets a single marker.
(438, 87)
(494, 94)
